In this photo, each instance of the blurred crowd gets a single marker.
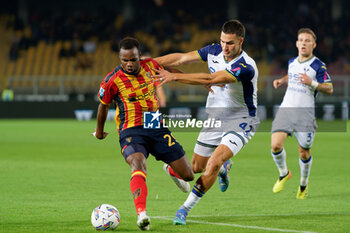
(271, 27)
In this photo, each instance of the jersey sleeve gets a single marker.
(241, 72)
(322, 75)
(152, 63)
(214, 49)
(108, 90)
(203, 53)
(155, 65)
(291, 60)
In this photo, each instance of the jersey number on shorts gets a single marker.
(170, 142)
(309, 137)
(243, 126)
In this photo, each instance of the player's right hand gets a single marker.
(277, 83)
(163, 76)
(209, 88)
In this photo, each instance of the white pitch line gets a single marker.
(236, 225)
(264, 215)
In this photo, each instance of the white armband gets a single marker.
(314, 84)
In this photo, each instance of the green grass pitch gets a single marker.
(53, 173)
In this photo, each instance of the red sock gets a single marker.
(138, 189)
(173, 173)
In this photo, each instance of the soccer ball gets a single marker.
(105, 217)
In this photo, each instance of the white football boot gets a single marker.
(181, 184)
(143, 221)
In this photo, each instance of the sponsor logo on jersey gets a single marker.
(243, 65)
(102, 92)
(236, 71)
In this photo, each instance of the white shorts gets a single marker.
(237, 134)
(305, 139)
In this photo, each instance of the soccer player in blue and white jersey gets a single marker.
(234, 102)
(306, 76)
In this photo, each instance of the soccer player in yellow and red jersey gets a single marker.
(130, 86)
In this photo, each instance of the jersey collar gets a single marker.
(306, 60)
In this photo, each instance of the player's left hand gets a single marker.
(305, 79)
(163, 76)
(98, 137)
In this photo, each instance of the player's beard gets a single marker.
(232, 54)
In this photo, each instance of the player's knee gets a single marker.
(304, 154)
(197, 168)
(276, 147)
(137, 161)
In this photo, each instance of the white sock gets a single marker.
(222, 169)
(193, 198)
(305, 168)
(281, 162)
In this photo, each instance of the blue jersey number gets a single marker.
(244, 126)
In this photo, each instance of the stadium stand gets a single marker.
(79, 45)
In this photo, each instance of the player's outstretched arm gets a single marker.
(177, 59)
(101, 119)
(164, 76)
(218, 77)
(279, 82)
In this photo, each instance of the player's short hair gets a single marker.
(233, 27)
(308, 31)
(129, 43)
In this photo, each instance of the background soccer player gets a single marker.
(130, 86)
(306, 76)
(234, 103)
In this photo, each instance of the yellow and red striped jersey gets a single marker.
(132, 93)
